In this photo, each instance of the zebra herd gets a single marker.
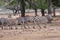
(23, 21)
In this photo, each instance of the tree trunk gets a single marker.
(30, 1)
(49, 7)
(54, 12)
(35, 12)
(22, 8)
(49, 11)
(42, 12)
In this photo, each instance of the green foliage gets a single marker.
(56, 3)
(1, 2)
(33, 3)
(14, 2)
(42, 4)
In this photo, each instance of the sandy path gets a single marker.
(29, 35)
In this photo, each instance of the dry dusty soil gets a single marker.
(46, 32)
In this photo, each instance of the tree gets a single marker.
(42, 4)
(22, 8)
(55, 3)
(49, 6)
(42, 12)
(17, 3)
(38, 4)
(32, 5)
(49, 10)
(54, 12)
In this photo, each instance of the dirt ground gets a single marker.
(51, 32)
